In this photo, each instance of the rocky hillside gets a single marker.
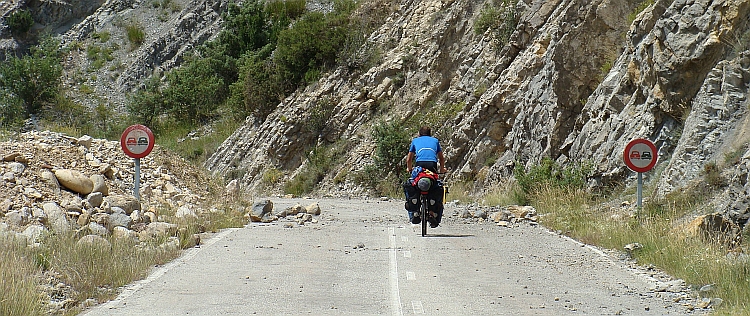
(574, 81)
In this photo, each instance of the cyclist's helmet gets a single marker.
(424, 184)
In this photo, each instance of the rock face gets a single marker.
(575, 82)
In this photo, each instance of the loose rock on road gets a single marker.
(363, 258)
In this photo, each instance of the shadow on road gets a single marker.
(447, 235)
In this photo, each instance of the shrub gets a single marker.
(392, 144)
(638, 9)
(20, 22)
(34, 79)
(136, 35)
(319, 115)
(320, 161)
(549, 173)
(500, 18)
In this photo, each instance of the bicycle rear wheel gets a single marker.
(423, 213)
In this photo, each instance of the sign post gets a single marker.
(137, 141)
(640, 156)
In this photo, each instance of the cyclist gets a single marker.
(425, 150)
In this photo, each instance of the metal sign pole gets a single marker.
(137, 180)
(640, 190)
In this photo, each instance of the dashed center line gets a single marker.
(410, 275)
(417, 307)
(395, 295)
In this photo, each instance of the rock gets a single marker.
(465, 214)
(83, 219)
(714, 228)
(503, 223)
(56, 218)
(503, 215)
(294, 210)
(85, 141)
(120, 219)
(11, 157)
(95, 199)
(51, 181)
(126, 202)
(95, 242)
(97, 229)
(16, 167)
(74, 180)
(17, 218)
(120, 232)
(313, 209)
(33, 233)
(480, 214)
(157, 229)
(260, 209)
(185, 212)
(9, 177)
(99, 184)
(32, 193)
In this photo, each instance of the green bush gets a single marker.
(319, 115)
(20, 22)
(501, 18)
(320, 161)
(136, 35)
(549, 173)
(34, 80)
(392, 144)
(638, 9)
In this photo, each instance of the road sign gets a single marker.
(640, 155)
(137, 141)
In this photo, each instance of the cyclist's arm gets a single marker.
(409, 161)
(441, 162)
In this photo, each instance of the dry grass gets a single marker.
(18, 292)
(659, 229)
(94, 272)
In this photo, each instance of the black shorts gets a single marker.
(429, 165)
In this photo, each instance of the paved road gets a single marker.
(362, 258)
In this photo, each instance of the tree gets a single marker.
(33, 79)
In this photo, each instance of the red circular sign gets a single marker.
(137, 141)
(640, 155)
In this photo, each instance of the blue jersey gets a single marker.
(425, 148)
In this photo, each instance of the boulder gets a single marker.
(74, 180)
(313, 209)
(33, 233)
(185, 212)
(94, 242)
(715, 228)
(100, 185)
(260, 209)
(126, 202)
(120, 220)
(95, 199)
(56, 218)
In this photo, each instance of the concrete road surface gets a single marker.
(363, 258)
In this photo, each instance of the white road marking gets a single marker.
(395, 295)
(416, 306)
(410, 275)
(189, 254)
(407, 254)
